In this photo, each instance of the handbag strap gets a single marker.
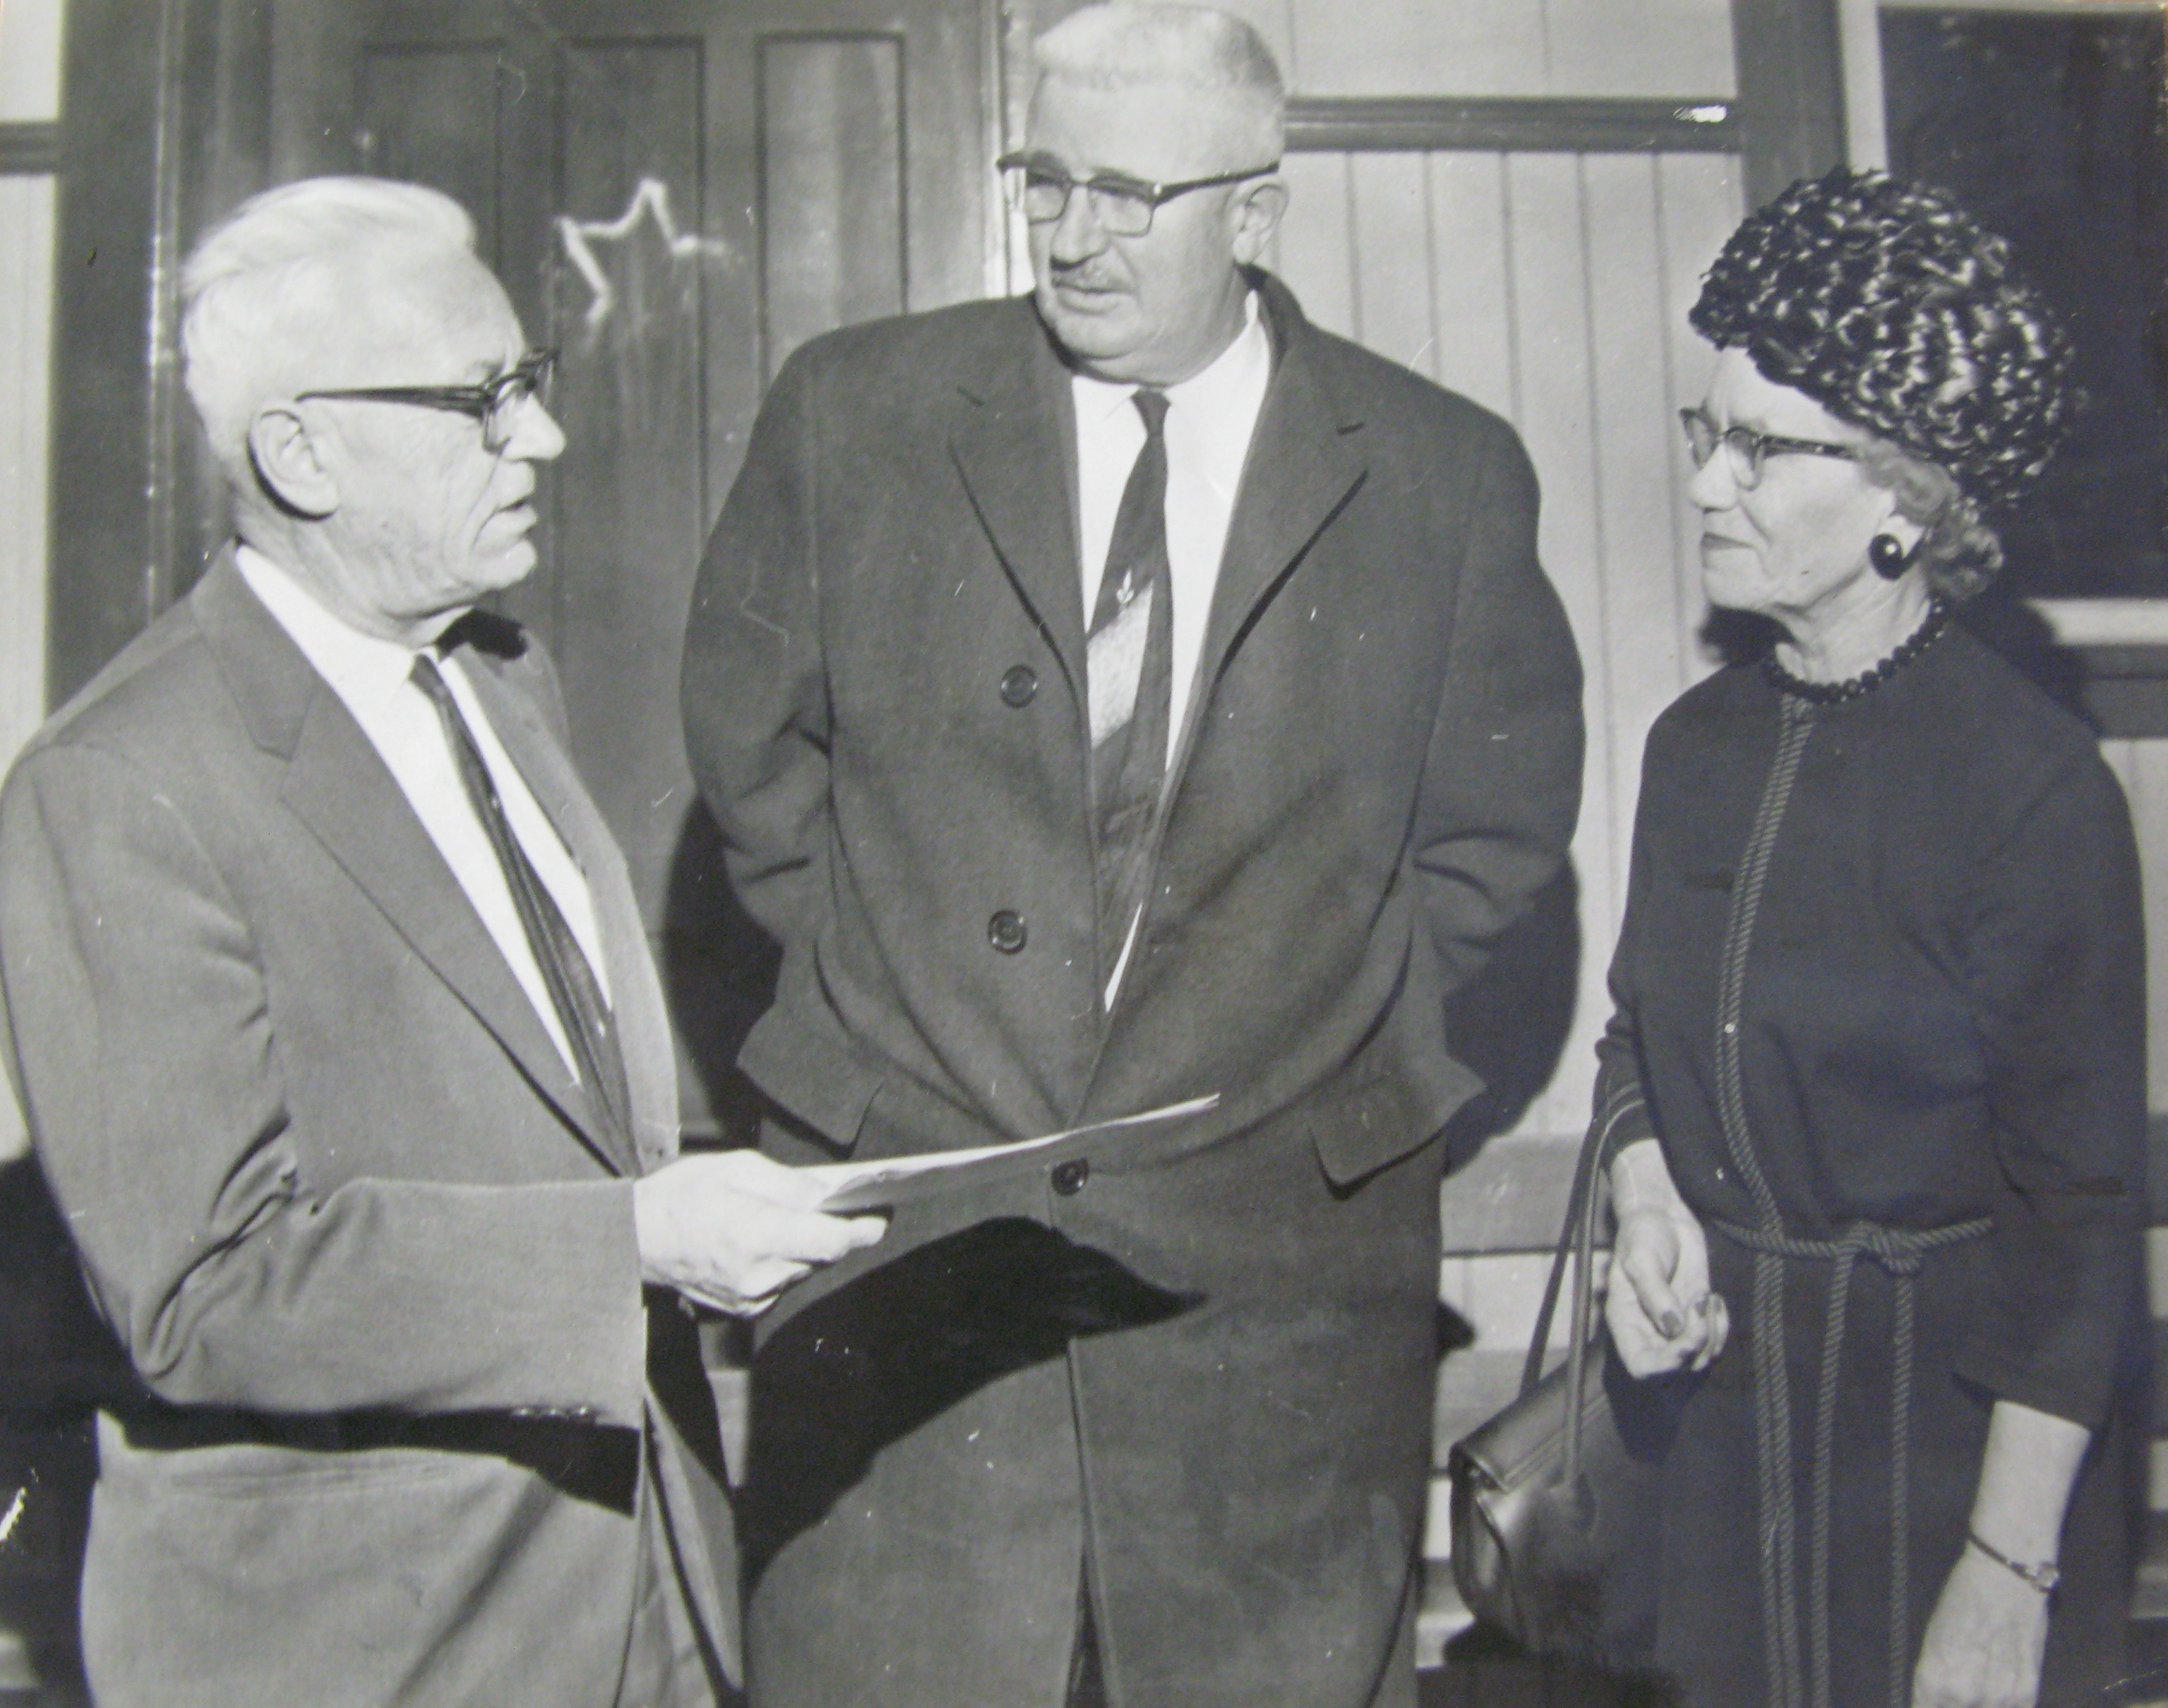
(1577, 1243)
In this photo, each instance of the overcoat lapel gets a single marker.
(337, 785)
(1012, 450)
(1303, 464)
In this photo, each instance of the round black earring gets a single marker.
(1889, 556)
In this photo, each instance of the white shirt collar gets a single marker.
(362, 669)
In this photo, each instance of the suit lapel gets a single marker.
(636, 1000)
(337, 785)
(1010, 446)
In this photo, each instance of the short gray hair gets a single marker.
(253, 277)
(1133, 41)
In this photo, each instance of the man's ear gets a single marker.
(285, 460)
(1257, 213)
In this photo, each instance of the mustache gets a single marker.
(1084, 275)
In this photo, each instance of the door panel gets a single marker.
(675, 195)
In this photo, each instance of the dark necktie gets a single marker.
(582, 1010)
(1129, 667)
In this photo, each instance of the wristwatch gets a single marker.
(2042, 1576)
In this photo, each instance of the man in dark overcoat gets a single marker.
(1111, 697)
(333, 1015)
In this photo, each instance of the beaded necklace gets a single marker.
(1937, 619)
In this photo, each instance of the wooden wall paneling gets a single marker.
(431, 113)
(1471, 308)
(1390, 209)
(1698, 204)
(2142, 765)
(26, 299)
(832, 190)
(1462, 47)
(630, 512)
(1550, 285)
(1313, 251)
(1650, 47)
(1634, 428)
(1791, 90)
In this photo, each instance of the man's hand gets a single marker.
(1661, 1314)
(731, 1230)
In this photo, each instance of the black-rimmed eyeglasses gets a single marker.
(496, 402)
(1750, 449)
(1123, 206)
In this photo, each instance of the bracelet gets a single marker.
(2043, 1577)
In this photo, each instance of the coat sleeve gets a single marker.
(1501, 782)
(754, 689)
(139, 1018)
(2056, 954)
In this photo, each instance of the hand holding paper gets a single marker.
(732, 1229)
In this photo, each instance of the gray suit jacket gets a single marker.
(365, 1243)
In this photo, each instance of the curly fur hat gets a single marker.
(1890, 307)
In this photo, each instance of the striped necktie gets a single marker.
(1130, 670)
(582, 1010)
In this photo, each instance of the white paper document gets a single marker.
(891, 1180)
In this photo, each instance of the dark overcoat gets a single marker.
(365, 1243)
(885, 696)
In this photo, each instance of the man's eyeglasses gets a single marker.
(1123, 206)
(496, 402)
(1750, 449)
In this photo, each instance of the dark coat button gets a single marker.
(1019, 684)
(1006, 931)
(1068, 1177)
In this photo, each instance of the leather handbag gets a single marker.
(1547, 1503)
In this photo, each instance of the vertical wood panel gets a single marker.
(26, 299)
(1471, 310)
(1637, 575)
(2143, 766)
(429, 114)
(1551, 288)
(1389, 209)
(1314, 250)
(831, 191)
(1474, 47)
(1698, 202)
(629, 507)
(1647, 48)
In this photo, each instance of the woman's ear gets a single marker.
(284, 455)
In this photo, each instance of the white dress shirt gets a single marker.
(1210, 418)
(374, 678)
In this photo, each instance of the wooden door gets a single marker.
(676, 194)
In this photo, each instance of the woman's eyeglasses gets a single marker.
(1750, 449)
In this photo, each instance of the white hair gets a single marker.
(256, 280)
(1135, 41)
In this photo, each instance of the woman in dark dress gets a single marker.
(1875, 1091)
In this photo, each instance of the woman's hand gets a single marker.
(1661, 1314)
(1985, 1641)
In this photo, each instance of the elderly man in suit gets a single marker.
(1113, 697)
(334, 1019)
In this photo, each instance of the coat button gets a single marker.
(1019, 684)
(1006, 931)
(1068, 1177)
